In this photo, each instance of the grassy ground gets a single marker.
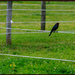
(58, 45)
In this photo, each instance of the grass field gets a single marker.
(58, 45)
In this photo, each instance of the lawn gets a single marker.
(58, 45)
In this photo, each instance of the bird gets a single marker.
(55, 27)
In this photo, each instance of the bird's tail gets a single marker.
(50, 33)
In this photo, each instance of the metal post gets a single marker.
(8, 24)
(43, 15)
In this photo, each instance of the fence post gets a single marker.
(8, 24)
(43, 14)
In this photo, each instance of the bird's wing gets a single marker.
(54, 28)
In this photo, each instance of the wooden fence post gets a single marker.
(8, 24)
(43, 14)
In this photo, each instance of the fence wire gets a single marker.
(37, 57)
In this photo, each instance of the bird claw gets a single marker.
(56, 31)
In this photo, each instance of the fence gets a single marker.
(63, 10)
(24, 19)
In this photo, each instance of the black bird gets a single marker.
(55, 27)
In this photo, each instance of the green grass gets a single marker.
(34, 66)
(58, 45)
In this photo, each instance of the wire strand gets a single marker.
(40, 22)
(35, 10)
(40, 14)
(40, 4)
(37, 57)
(34, 32)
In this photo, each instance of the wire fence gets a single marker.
(38, 31)
(54, 12)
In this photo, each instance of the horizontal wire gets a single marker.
(33, 30)
(46, 4)
(27, 29)
(40, 14)
(26, 14)
(24, 29)
(37, 57)
(38, 32)
(39, 22)
(35, 10)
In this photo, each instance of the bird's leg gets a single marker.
(54, 31)
(57, 31)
